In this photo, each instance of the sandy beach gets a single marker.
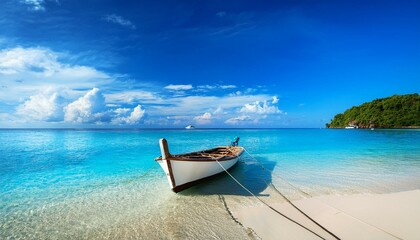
(361, 216)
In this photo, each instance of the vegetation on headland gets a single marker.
(398, 111)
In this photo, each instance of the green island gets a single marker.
(397, 111)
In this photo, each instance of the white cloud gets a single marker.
(219, 110)
(27, 71)
(237, 93)
(46, 106)
(134, 118)
(37, 83)
(36, 60)
(203, 119)
(132, 96)
(227, 86)
(34, 5)
(208, 87)
(197, 104)
(119, 20)
(87, 109)
(50, 106)
(211, 87)
(42, 63)
(120, 111)
(253, 113)
(236, 120)
(136, 115)
(260, 108)
(11, 120)
(179, 87)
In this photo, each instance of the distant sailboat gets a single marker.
(189, 127)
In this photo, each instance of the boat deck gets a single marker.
(218, 153)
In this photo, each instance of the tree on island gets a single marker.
(398, 111)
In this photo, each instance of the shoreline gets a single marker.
(382, 128)
(359, 216)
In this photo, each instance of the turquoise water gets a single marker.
(57, 184)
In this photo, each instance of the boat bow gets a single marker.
(185, 170)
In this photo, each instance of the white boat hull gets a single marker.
(183, 174)
(185, 170)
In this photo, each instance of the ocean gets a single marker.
(101, 184)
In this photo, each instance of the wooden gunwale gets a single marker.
(221, 153)
(210, 155)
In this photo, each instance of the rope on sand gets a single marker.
(266, 204)
(309, 195)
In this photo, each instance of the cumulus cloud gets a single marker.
(46, 106)
(52, 105)
(179, 87)
(256, 111)
(87, 109)
(38, 84)
(134, 118)
(26, 72)
(260, 108)
(90, 108)
(135, 115)
(113, 18)
(236, 120)
(203, 119)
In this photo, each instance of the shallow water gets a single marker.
(89, 184)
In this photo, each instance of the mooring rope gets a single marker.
(309, 195)
(293, 205)
(222, 199)
(284, 180)
(139, 177)
(266, 204)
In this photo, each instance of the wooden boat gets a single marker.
(185, 170)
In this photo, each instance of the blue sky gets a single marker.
(164, 64)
